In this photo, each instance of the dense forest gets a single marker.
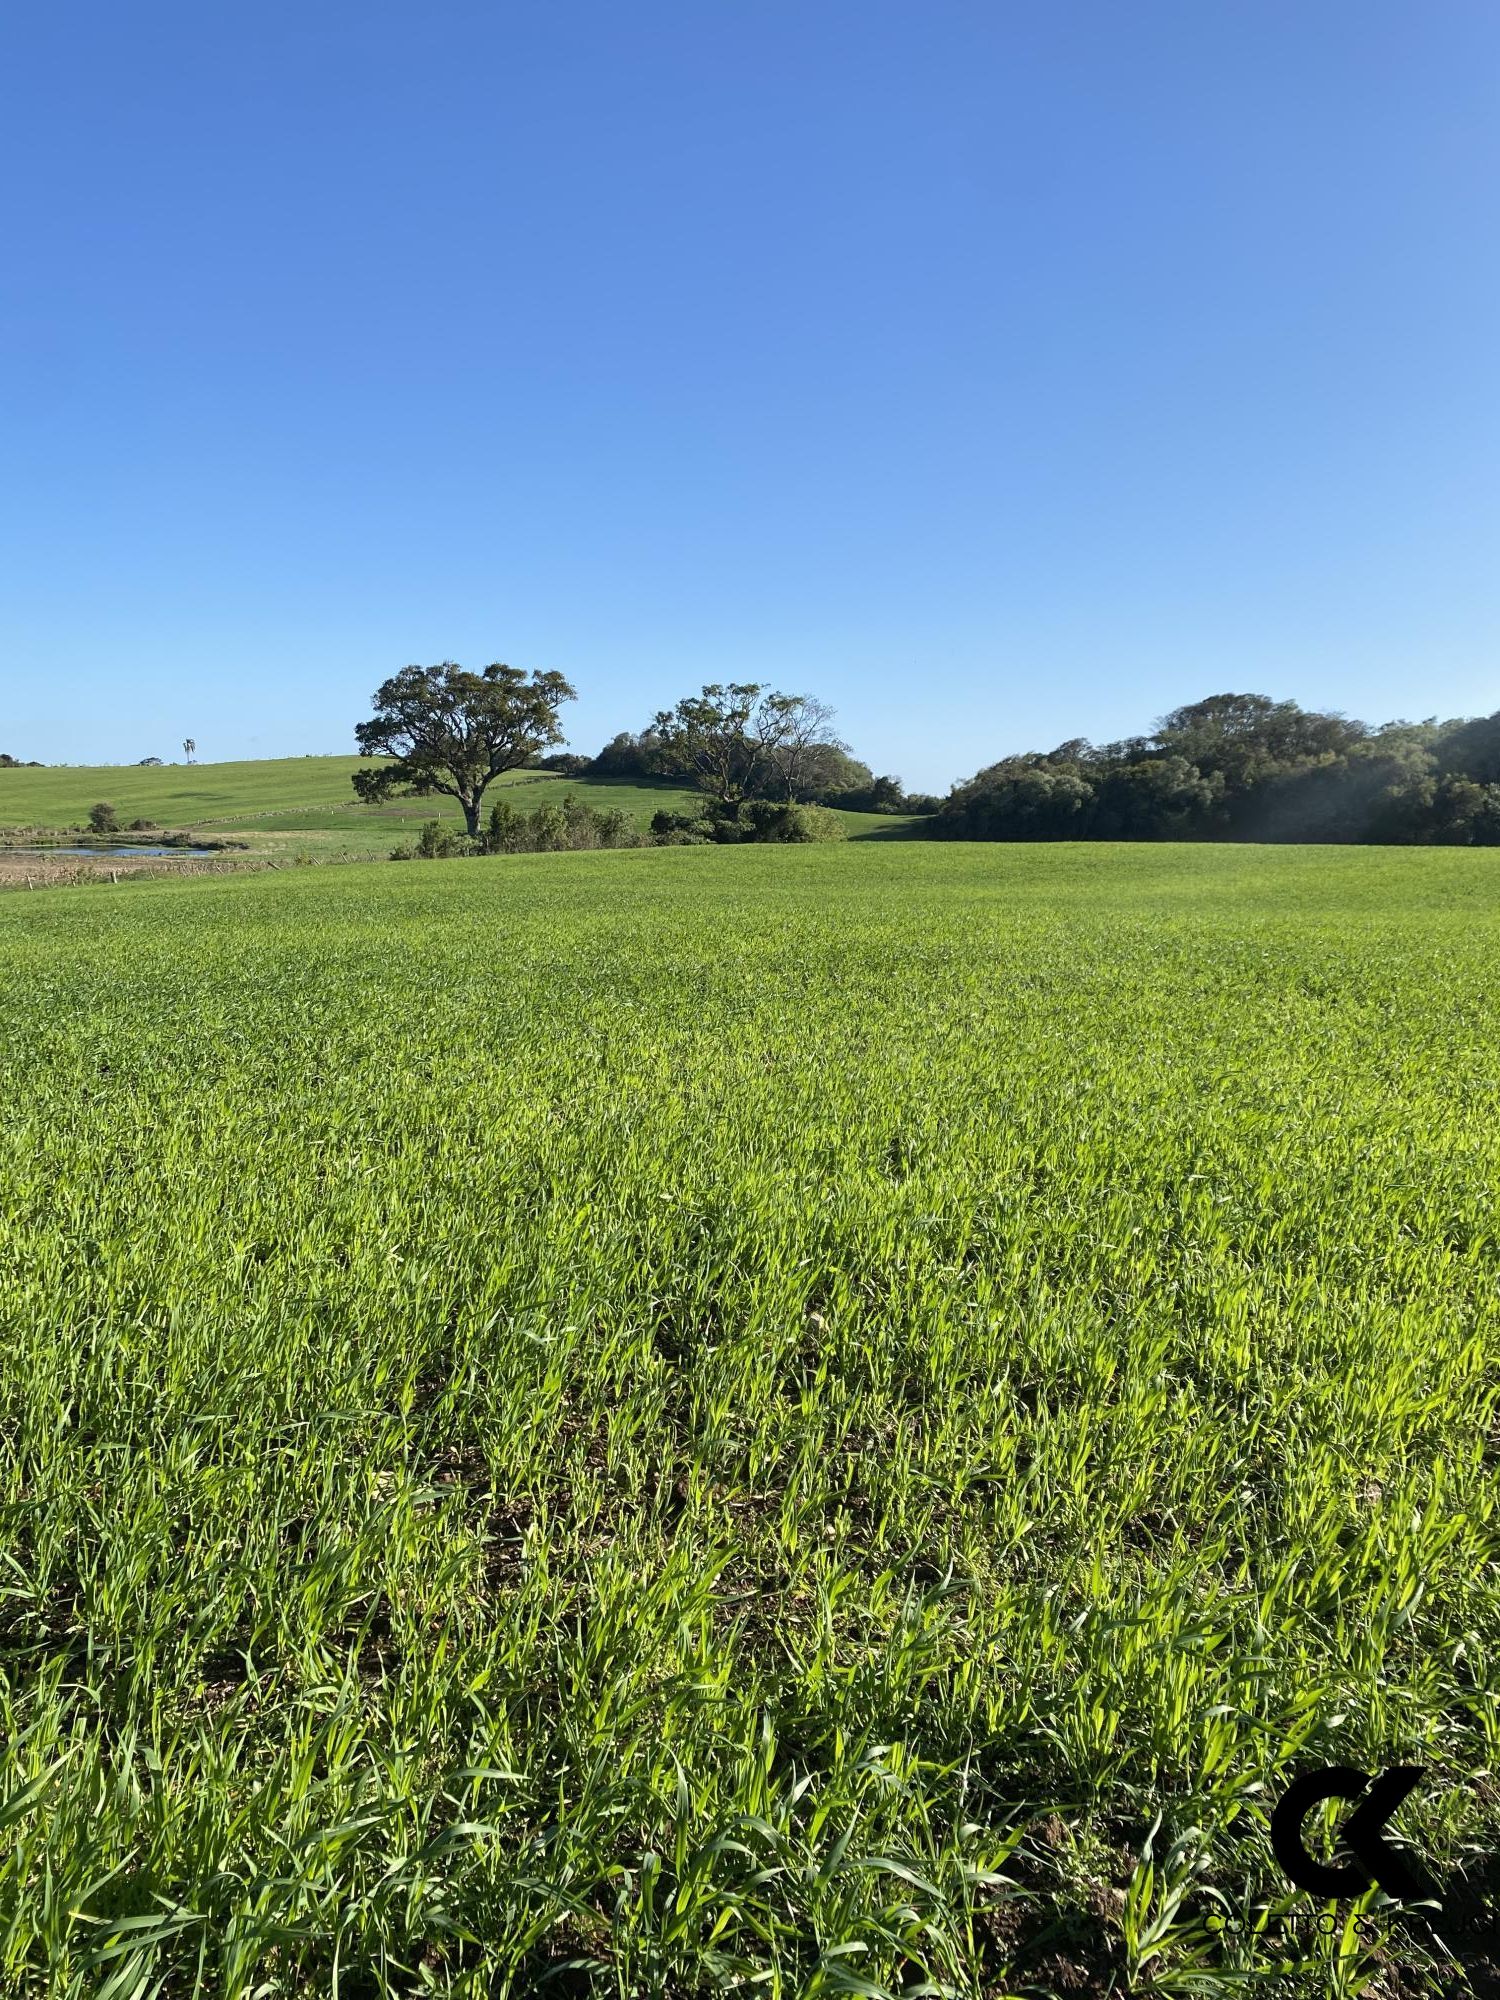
(1245, 767)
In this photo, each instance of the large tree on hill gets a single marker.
(737, 739)
(804, 735)
(721, 738)
(444, 729)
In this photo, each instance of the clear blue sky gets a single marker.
(999, 372)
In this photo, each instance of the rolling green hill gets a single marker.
(304, 804)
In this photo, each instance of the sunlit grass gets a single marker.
(291, 806)
(288, 803)
(711, 1416)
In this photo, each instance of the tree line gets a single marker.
(1229, 767)
(1246, 767)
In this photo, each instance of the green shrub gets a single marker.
(581, 823)
(675, 829)
(759, 820)
(797, 825)
(616, 829)
(589, 828)
(504, 829)
(549, 830)
(437, 842)
(103, 818)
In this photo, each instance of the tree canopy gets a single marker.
(727, 737)
(739, 742)
(1245, 767)
(445, 729)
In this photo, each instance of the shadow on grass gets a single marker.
(899, 829)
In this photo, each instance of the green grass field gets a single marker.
(306, 805)
(795, 1421)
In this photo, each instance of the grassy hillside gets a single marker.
(303, 804)
(843, 1418)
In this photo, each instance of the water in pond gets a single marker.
(104, 853)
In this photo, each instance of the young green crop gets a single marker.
(835, 1418)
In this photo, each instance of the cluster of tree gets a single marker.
(743, 741)
(1245, 767)
(445, 730)
(9, 763)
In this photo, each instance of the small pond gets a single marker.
(104, 853)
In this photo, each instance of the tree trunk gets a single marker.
(471, 817)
